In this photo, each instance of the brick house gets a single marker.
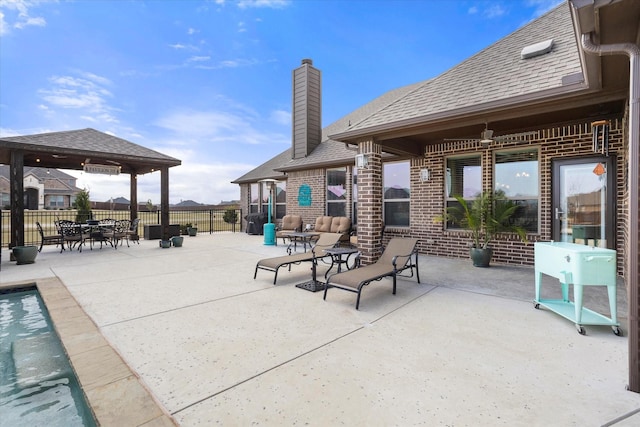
(550, 114)
(536, 89)
(44, 188)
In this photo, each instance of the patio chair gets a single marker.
(121, 231)
(398, 256)
(50, 239)
(325, 241)
(132, 232)
(72, 234)
(102, 232)
(290, 223)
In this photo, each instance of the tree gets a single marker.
(231, 217)
(83, 205)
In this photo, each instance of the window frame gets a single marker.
(448, 191)
(330, 204)
(387, 202)
(522, 200)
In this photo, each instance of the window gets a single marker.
(463, 178)
(281, 199)
(337, 192)
(396, 193)
(516, 173)
(264, 188)
(56, 201)
(254, 198)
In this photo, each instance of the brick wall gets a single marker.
(427, 198)
(316, 180)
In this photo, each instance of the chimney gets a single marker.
(307, 108)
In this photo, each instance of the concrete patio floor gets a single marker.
(214, 346)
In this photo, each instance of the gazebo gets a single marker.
(83, 149)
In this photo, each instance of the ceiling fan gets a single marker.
(486, 137)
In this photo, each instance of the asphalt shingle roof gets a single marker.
(89, 140)
(496, 73)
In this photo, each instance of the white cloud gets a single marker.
(494, 10)
(17, 14)
(273, 4)
(87, 93)
(281, 117)
(204, 183)
(199, 58)
(543, 6)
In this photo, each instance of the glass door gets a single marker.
(583, 205)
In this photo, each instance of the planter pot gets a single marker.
(25, 254)
(192, 231)
(177, 241)
(165, 243)
(481, 257)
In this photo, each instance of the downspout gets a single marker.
(633, 52)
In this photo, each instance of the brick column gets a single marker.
(370, 202)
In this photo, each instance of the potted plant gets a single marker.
(488, 214)
(184, 228)
(192, 230)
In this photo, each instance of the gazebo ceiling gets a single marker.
(73, 149)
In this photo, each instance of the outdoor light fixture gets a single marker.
(362, 161)
(424, 175)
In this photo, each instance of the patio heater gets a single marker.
(269, 228)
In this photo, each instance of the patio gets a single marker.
(214, 346)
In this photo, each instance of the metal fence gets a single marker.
(206, 221)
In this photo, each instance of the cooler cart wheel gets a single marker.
(617, 331)
(581, 330)
(536, 305)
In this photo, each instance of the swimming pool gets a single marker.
(37, 384)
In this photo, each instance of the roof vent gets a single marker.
(537, 49)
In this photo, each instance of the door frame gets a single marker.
(610, 218)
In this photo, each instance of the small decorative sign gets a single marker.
(304, 195)
(102, 169)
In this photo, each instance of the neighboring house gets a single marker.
(44, 188)
(419, 145)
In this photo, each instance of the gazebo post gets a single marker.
(16, 182)
(133, 196)
(164, 202)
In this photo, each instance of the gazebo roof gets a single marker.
(72, 149)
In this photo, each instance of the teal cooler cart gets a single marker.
(580, 266)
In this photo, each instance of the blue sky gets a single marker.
(209, 81)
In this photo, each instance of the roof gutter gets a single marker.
(633, 52)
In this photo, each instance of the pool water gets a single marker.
(37, 385)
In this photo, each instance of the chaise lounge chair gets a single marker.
(325, 241)
(397, 257)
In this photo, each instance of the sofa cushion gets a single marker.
(291, 223)
(323, 224)
(340, 224)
